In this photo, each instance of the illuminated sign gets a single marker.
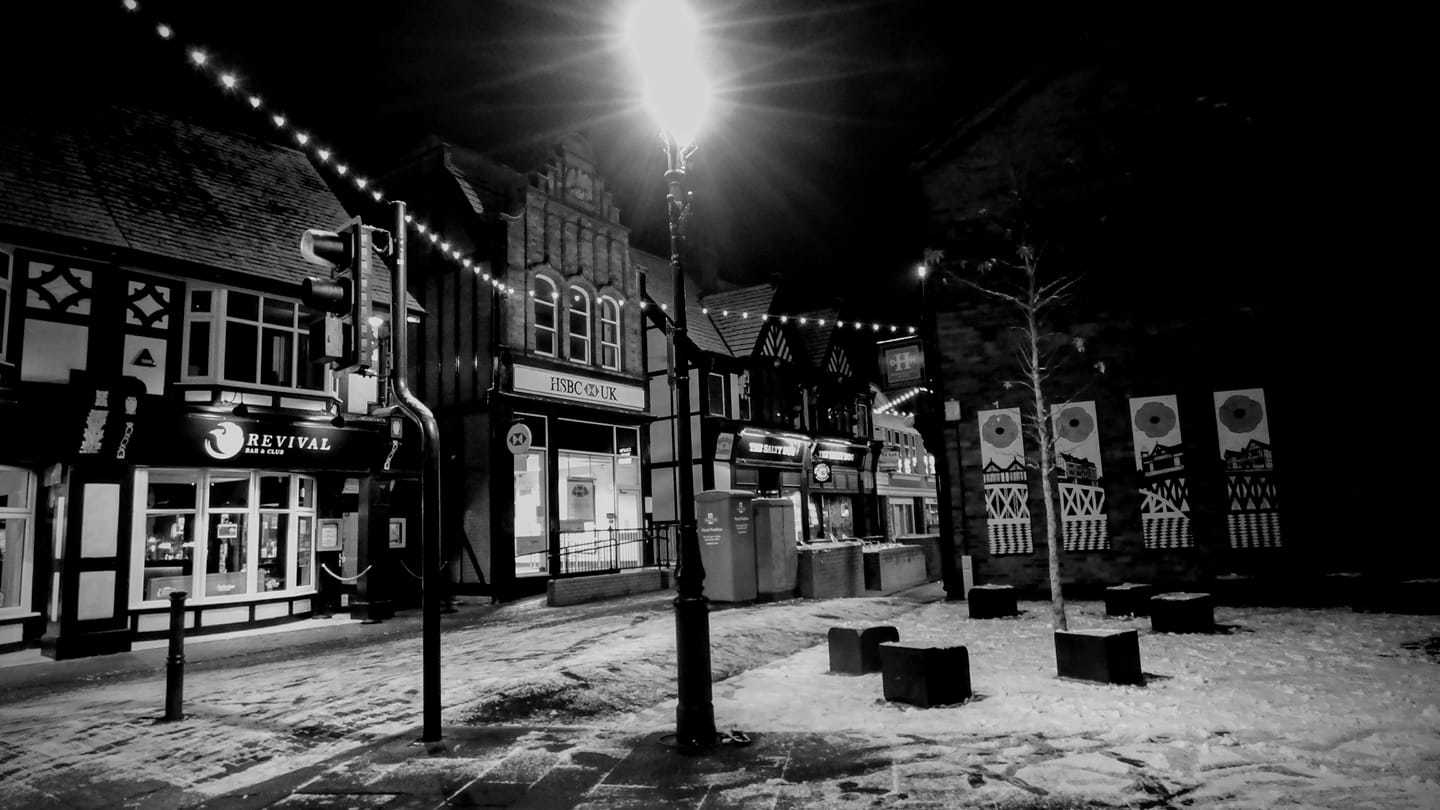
(580, 388)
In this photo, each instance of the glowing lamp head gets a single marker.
(664, 37)
(922, 270)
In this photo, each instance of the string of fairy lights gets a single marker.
(230, 82)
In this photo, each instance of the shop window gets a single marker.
(222, 534)
(543, 300)
(17, 492)
(5, 297)
(577, 326)
(249, 338)
(717, 398)
(744, 402)
(609, 334)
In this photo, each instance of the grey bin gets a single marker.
(776, 555)
(727, 544)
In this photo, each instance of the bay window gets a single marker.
(249, 338)
(223, 533)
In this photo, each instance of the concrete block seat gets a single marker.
(1182, 612)
(1128, 599)
(1106, 656)
(992, 601)
(856, 650)
(924, 675)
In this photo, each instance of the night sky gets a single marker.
(805, 173)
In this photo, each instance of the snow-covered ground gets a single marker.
(1319, 708)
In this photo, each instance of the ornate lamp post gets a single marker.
(663, 37)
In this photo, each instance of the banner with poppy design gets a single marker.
(1160, 457)
(1006, 480)
(1252, 506)
(1082, 486)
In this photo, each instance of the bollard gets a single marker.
(175, 661)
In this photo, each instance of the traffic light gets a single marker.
(341, 333)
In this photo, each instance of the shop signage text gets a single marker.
(842, 454)
(755, 447)
(228, 440)
(577, 388)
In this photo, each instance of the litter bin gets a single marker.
(727, 544)
(775, 552)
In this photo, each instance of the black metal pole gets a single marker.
(175, 660)
(431, 554)
(695, 709)
(950, 574)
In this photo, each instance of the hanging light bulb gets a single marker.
(254, 102)
(198, 56)
(164, 31)
(277, 120)
(229, 80)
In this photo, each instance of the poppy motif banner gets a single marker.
(1007, 489)
(1082, 485)
(1252, 506)
(1160, 457)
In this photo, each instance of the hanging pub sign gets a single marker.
(766, 449)
(821, 472)
(902, 363)
(838, 453)
(204, 439)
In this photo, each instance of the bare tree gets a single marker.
(1040, 351)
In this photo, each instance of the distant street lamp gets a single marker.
(664, 37)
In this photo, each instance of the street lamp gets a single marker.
(664, 38)
(931, 414)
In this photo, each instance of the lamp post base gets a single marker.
(695, 708)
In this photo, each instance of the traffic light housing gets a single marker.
(341, 332)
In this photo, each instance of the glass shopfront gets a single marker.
(222, 534)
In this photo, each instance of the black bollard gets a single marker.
(175, 661)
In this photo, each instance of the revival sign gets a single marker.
(235, 441)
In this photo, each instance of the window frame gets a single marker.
(610, 304)
(717, 380)
(7, 287)
(25, 560)
(577, 293)
(218, 317)
(550, 301)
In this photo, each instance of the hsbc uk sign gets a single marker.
(574, 387)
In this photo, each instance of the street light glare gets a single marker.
(664, 37)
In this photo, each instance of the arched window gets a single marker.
(609, 334)
(578, 327)
(544, 296)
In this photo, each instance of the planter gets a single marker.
(1129, 599)
(1105, 656)
(930, 545)
(893, 568)
(924, 676)
(830, 570)
(1182, 613)
(856, 650)
(992, 601)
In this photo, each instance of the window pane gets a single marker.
(579, 348)
(273, 544)
(12, 558)
(304, 548)
(544, 342)
(307, 493)
(229, 492)
(14, 488)
(199, 300)
(277, 353)
(171, 495)
(225, 562)
(197, 364)
(279, 312)
(544, 314)
(240, 352)
(609, 357)
(243, 305)
(715, 394)
(308, 375)
(274, 491)
(169, 554)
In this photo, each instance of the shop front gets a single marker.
(838, 484)
(572, 441)
(235, 510)
(767, 462)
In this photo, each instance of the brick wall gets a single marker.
(929, 545)
(574, 590)
(830, 571)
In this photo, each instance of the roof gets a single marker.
(163, 187)
(819, 338)
(660, 289)
(741, 333)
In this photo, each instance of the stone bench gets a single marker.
(1182, 613)
(924, 676)
(992, 601)
(1107, 656)
(1128, 599)
(856, 650)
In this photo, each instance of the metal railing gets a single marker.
(608, 550)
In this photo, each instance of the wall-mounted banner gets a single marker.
(839, 453)
(1160, 457)
(1082, 477)
(1007, 490)
(763, 449)
(1253, 511)
(573, 387)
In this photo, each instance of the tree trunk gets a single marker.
(1052, 533)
